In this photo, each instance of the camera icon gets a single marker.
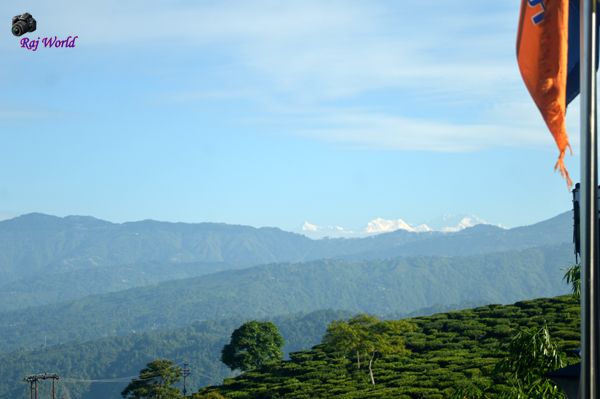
(22, 24)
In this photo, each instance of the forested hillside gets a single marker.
(380, 287)
(107, 361)
(66, 286)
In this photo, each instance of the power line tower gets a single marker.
(33, 383)
(186, 373)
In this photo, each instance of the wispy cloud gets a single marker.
(323, 49)
(326, 59)
(382, 131)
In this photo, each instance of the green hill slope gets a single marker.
(379, 287)
(71, 285)
(448, 350)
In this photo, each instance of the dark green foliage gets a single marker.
(253, 345)
(400, 285)
(573, 277)
(156, 380)
(451, 354)
(531, 355)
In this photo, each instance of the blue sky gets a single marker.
(271, 113)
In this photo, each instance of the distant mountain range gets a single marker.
(46, 259)
(70, 280)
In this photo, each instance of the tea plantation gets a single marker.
(448, 351)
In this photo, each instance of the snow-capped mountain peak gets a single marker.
(454, 223)
(444, 224)
(380, 225)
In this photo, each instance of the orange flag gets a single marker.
(542, 51)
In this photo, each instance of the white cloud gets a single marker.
(194, 23)
(312, 49)
(402, 133)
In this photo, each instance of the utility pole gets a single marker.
(186, 373)
(33, 383)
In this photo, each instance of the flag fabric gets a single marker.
(543, 57)
(573, 53)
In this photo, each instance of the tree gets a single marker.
(531, 355)
(155, 382)
(573, 276)
(253, 345)
(367, 337)
(343, 339)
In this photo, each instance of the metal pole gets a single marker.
(589, 205)
(186, 373)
